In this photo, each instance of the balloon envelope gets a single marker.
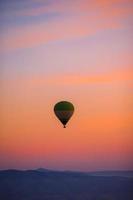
(64, 111)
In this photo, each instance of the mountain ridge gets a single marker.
(128, 173)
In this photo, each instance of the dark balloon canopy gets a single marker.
(64, 111)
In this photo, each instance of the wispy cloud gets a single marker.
(112, 77)
(77, 19)
(38, 34)
(73, 7)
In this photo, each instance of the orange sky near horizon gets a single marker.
(79, 51)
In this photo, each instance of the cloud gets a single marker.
(69, 6)
(77, 19)
(64, 29)
(117, 76)
(64, 8)
(112, 77)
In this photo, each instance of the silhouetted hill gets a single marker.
(56, 185)
(112, 173)
(43, 170)
(128, 173)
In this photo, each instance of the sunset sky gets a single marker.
(75, 50)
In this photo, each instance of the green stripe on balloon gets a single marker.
(64, 105)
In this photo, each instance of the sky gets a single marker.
(75, 50)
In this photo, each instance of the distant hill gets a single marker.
(126, 173)
(112, 173)
(43, 170)
(44, 184)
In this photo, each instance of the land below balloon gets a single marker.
(44, 184)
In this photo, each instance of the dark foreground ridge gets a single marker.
(43, 184)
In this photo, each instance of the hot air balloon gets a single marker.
(64, 111)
